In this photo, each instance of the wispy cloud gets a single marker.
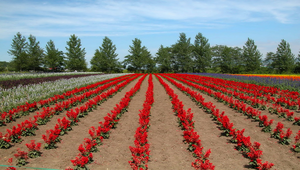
(120, 17)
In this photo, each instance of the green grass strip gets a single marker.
(27, 167)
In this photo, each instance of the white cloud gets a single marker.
(271, 46)
(145, 16)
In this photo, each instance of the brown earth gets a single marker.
(167, 150)
(280, 155)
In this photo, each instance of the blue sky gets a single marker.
(154, 22)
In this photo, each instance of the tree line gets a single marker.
(28, 55)
(182, 56)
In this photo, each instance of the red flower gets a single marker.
(21, 154)
(34, 147)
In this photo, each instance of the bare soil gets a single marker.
(167, 149)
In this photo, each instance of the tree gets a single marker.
(35, 54)
(4, 66)
(105, 58)
(150, 64)
(181, 54)
(297, 68)
(227, 62)
(201, 53)
(227, 59)
(252, 56)
(75, 54)
(18, 51)
(139, 55)
(163, 58)
(216, 56)
(268, 62)
(54, 59)
(284, 60)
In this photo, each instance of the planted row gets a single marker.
(52, 136)
(140, 152)
(102, 131)
(191, 137)
(28, 81)
(255, 95)
(17, 76)
(42, 118)
(252, 151)
(24, 110)
(14, 97)
(284, 138)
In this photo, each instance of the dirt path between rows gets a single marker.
(115, 153)
(280, 155)
(223, 155)
(167, 151)
(32, 114)
(60, 157)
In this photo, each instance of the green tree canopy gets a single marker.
(54, 59)
(35, 54)
(4, 66)
(138, 57)
(283, 60)
(163, 59)
(105, 58)
(269, 60)
(75, 54)
(297, 68)
(181, 54)
(251, 56)
(18, 51)
(228, 59)
(201, 53)
(150, 64)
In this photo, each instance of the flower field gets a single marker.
(154, 121)
(287, 82)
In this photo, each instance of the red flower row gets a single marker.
(190, 135)
(267, 92)
(52, 136)
(27, 127)
(243, 143)
(252, 99)
(11, 115)
(85, 156)
(140, 153)
(241, 107)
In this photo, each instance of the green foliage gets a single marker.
(181, 54)
(35, 54)
(228, 59)
(296, 147)
(201, 53)
(4, 66)
(283, 59)
(18, 51)
(252, 56)
(75, 54)
(4, 144)
(268, 61)
(266, 129)
(163, 59)
(297, 68)
(54, 59)
(105, 58)
(21, 162)
(139, 58)
(34, 154)
(284, 141)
